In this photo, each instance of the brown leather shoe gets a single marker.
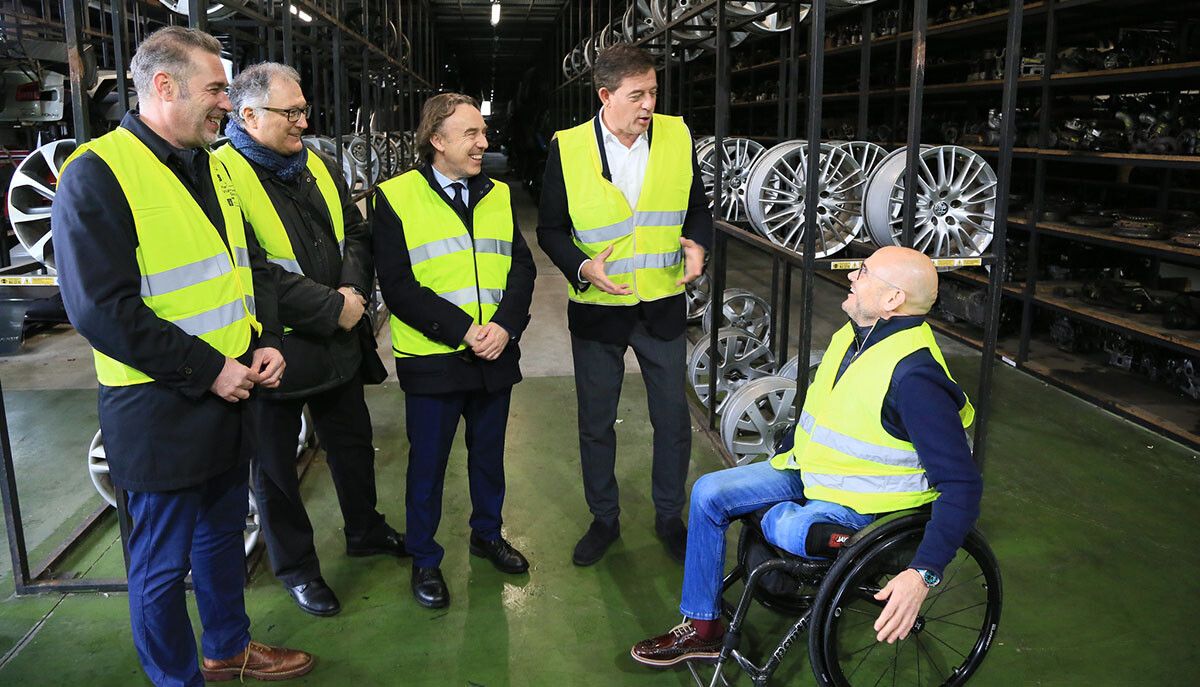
(260, 662)
(682, 643)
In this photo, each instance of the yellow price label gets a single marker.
(28, 281)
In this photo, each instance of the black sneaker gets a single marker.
(673, 535)
(595, 542)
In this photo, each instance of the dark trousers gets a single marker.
(599, 371)
(432, 423)
(198, 529)
(343, 426)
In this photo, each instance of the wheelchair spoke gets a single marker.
(965, 608)
(869, 649)
(959, 625)
(921, 648)
(943, 643)
(947, 587)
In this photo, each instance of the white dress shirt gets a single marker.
(627, 165)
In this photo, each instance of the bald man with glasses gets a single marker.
(882, 430)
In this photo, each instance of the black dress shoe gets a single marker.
(315, 597)
(595, 542)
(674, 536)
(500, 553)
(390, 543)
(428, 587)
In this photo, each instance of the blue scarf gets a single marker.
(285, 167)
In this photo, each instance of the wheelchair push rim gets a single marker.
(954, 630)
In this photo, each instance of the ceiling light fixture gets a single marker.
(485, 108)
(495, 12)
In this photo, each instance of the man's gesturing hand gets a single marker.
(594, 271)
(693, 260)
(904, 594)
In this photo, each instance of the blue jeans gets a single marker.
(200, 528)
(720, 496)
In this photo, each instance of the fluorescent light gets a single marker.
(301, 14)
(485, 108)
(495, 13)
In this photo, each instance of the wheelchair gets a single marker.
(833, 600)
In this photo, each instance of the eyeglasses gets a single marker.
(863, 272)
(293, 114)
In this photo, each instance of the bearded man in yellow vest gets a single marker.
(319, 248)
(625, 218)
(160, 274)
(882, 429)
(457, 276)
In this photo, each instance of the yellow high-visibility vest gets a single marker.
(470, 272)
(646, 251)
(189, 276)
(842, 450)
(262, 215)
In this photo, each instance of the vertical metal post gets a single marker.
(121, 52)
(1008, 131)
(864, 73)
(198, 14)
(1034, 211)
(793, 80)
(79, 97)
(287, 32)
(720, 240)
(916, 91)
(667, 58)
(12, 507)
(336, 82)
(812, 178)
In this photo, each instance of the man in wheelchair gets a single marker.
(882, 430)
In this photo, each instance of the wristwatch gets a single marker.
(931, 578)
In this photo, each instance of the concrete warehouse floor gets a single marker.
(1091, 517)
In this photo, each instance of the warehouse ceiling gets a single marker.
(482, 56)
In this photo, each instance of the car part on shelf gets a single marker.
(740, 358)
(744, 310)
(756, 416)
(699, 296)
(955, 205)
(329, 147)
(739, 155)
(775, 189)
(791, 368)
(216, 11)
(31, 195)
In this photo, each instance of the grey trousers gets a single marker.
(599, 371)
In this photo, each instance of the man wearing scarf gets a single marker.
(319, 249)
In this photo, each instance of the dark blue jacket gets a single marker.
(921, 406)
(172, 433)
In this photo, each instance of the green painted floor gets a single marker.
(1092, 519)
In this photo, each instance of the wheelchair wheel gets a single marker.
(953, 631)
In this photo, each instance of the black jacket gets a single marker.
(171, 433)
(320, 355)
(665, 318)
(438, 318)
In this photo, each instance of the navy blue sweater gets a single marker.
(921, 406)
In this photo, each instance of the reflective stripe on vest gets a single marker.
(645, 239)
(265, 219)
(189, 276)
(468, 271)
(841, 447)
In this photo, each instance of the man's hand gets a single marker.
(234, 382)
(593, 271)
(905, 594)
(268, 365)
(472, 335)
(352, 308)
(693, 260)
(491, 341)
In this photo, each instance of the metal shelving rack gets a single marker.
(328, 51)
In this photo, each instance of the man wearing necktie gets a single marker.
(458, 279)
